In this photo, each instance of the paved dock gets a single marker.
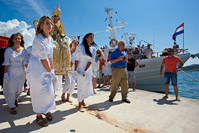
(147, 113)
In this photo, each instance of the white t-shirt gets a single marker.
(148, 52)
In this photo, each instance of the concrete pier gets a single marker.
(147, 113)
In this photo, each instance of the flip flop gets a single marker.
(178, 99)
(165, 97)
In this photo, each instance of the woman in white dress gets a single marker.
(95, 67)
(15, 58)
(85, 56)
(70, 79)
(40, 72)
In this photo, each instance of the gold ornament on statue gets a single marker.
(57, 11)
(35, 22)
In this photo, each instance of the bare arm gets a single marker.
(118, 59)
(6, 69)
(161, 68)
(51, 63)
(181, 64)
(46, 65)
(87, 66)
(76, 64)
(136, 63)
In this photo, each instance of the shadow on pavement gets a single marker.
(24, 111)
(163, 101)
(104, 106)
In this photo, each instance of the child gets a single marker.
(107, 70)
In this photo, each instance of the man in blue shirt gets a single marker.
(119, 61)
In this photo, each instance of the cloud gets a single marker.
(13, 26)
(29, 7)
(38, 7)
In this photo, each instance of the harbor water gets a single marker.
(187, 86)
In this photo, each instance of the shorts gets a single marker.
(95, 74)
(170, 76)
(107, 73)
(100, 74)
(131, 76)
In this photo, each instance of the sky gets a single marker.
(153, 21)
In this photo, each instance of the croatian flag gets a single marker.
(179, 30)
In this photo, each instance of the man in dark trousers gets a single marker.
(119, 59)
(171, 71)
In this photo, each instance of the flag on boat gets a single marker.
(179, 30)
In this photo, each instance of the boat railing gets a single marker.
(158, 54)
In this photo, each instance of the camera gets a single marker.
(124, 58)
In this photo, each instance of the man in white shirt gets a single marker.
(148, 52)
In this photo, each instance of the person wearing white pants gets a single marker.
(70, 79)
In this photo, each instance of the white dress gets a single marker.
(16, 72)
(42, 91)
(84, 84)
(107, 68)
(70, 79)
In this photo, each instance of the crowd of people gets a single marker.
(36, 65)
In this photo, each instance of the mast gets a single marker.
(183, 39)
(125, 34)
(112, 30)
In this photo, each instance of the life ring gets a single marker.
(113, 42)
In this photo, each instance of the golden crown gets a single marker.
(57, 11)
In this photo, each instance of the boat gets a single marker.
(148, 72)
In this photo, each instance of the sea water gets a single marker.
(187, 86)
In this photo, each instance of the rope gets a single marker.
(189, 75)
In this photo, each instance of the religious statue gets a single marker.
(61, 51)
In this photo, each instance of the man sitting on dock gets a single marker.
(171, 71)
(119, 61)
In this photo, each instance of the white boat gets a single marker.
(148, 72)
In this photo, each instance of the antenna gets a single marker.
(112, 30)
